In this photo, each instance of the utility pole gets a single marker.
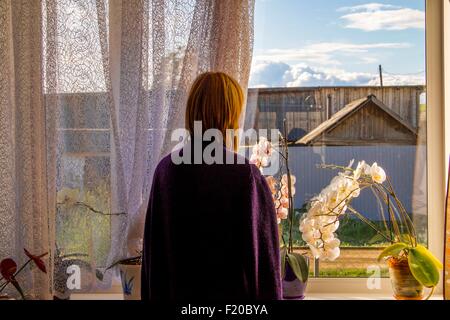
(381, 76)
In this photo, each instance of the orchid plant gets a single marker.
(282, 187)
(261, 158)
(320, 223)
(9, 271)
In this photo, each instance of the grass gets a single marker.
(352, 263)
(353, 232)
(360, 247)
(350, 273)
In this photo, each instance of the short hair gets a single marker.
(215, 99)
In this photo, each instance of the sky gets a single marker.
(338, 43)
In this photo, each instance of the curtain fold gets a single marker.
(24, 216)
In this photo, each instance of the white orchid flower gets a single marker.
(282, 213)
(332, 254)
(378, 174)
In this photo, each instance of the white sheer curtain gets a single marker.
(90, 92)
(163, 46)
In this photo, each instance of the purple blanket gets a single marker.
(210, 235)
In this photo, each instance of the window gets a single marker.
(307, 97)
(351, 86)
(75, 88)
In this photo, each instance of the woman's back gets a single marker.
(210, 234)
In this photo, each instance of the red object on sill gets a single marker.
(8, 268)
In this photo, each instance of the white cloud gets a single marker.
(376, 16)
(280, 74)
(399, 80)
(368, 7)
(269, 74)
(302, 75)
(327, 53)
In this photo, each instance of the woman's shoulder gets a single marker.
(164, 164)
(232, 162)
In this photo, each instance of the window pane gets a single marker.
(83, 217)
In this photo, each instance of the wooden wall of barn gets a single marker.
(306, 108)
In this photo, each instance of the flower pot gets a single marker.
(405, 286)
(130, 276)
(293, 288)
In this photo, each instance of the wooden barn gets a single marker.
(333, 125)
(365, 129)
(366, 121)
(307, 108)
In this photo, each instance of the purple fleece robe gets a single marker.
(210, 235)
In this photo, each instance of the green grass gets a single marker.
(352, 232)
(350, 273)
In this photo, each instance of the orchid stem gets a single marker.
(369, 223)
(291, 202)
(23, 267)
(4, 286)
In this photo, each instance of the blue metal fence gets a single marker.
(398, 161)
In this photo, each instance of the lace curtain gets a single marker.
(24, 216)
(90, 93)
(174, 42)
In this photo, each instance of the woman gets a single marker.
(211, 231)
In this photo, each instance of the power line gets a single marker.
(403, 74)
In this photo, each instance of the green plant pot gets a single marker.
(404, 285)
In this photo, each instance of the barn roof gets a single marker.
(347, 111)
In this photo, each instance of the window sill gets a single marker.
(370, 296)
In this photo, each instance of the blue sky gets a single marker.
(338, 42)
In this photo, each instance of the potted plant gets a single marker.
(294, 266)
(130, 275)
(9, 272)
(412, 266)
(60, 276)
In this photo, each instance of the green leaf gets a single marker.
(99, 274)
(423, 267)
(376, 238)
(393, 250)
(15, 283)
(299, 265)
(427, 252)
(283, 255)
